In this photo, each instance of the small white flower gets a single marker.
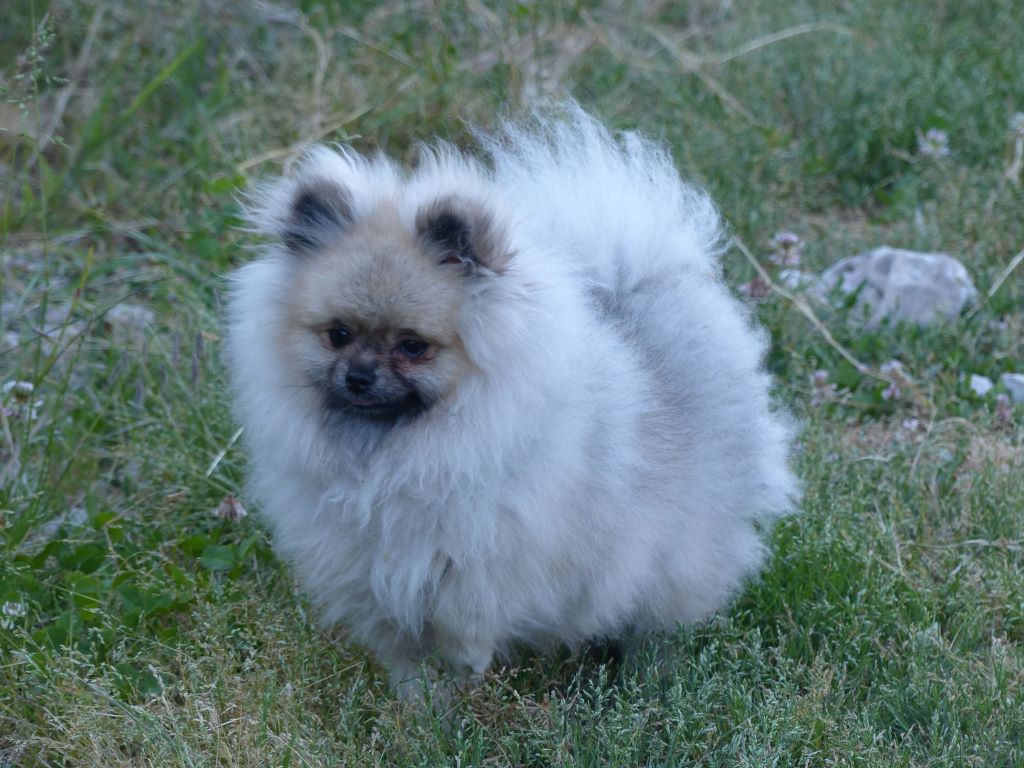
(892, 368)
(10, 611)
(17, 400)
(933, 143)
(19, 390)
(824, 390)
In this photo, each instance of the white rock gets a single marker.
(1014, 383)
(902, 285)
(980, 385)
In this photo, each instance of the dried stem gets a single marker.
(805, 309)
(1014, 263)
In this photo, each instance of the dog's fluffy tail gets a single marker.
(595, 187)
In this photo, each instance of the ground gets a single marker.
(139, 628)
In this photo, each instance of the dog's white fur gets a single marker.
(609, 466)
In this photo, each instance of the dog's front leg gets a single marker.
(467, 652)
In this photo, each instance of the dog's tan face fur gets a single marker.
(372, 314)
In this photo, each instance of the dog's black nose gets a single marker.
(358, 380)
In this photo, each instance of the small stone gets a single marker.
(11, 340)
(130, 320)
(980, 385)
(894, 283)
(59, 329)
(1014, 383)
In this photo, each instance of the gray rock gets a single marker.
(1014, 383)
(980, 385)
(923, 288)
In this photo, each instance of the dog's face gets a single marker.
(372, 316)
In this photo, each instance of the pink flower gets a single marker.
(757, 288)
(786, 248)
(230, 508)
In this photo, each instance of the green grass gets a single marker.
(888, 629)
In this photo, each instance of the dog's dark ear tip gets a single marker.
(464, 234)
(319, 211)
(310, 207)
(450, 232)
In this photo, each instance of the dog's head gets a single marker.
(371, 316)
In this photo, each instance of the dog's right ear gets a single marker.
(318, 211)
(463, 233)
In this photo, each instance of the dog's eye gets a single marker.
(338, 336)
(413, 347)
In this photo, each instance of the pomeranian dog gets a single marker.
(503, 402)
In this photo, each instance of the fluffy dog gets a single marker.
(503, 402)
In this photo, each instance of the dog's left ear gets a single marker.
(462, 232)
(319, 210)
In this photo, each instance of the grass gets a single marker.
(140, 629)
